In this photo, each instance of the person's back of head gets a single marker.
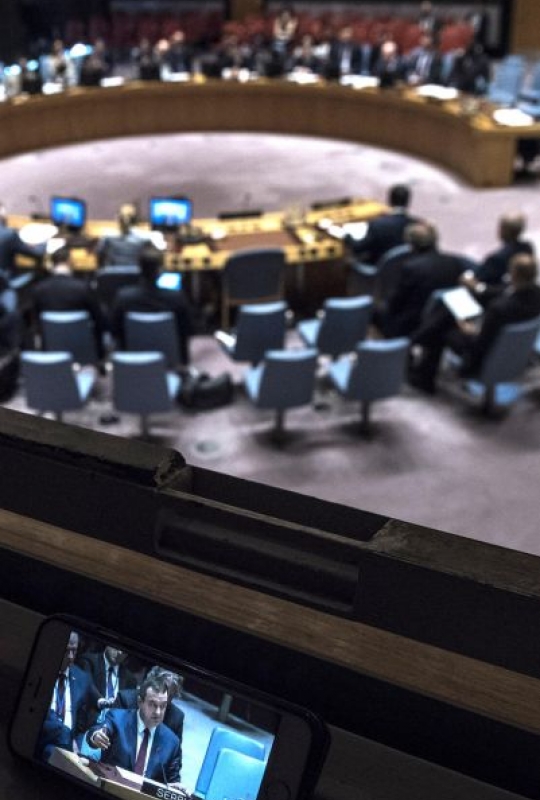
(511, 226)
(399, 196)
(523, 270)
(60, 261)
(421, 236)
(150, 263)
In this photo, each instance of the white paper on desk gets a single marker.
(35, 233)
(437, 92)
(356, 230)
(461, 303)
(512, 117)
(360, 81)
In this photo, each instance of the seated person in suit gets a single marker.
(421, 272)
(147, 297)
(53, 734)
(494, 269)
(137, 739)
(518, 302)
(73, 701)
(62, 291)
(389, 66)
(179, 56)
(349, 57)
(108, 672)
(174, 716)
(425, 63)
(12, 245)
(304, 58)
(124, 249)
(388, 230)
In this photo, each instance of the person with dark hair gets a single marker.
(519, 302)
(388, 230)
(138, 740)
(62, 291)
(494, 269)
(174, 716)
(146, 296)
(424, 270)
(124, 248)
(389, 67)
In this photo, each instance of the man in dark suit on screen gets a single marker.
(138, 740)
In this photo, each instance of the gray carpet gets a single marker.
(431, 461)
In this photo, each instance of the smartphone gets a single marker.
(122, 719)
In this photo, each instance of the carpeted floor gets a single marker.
(433, 461)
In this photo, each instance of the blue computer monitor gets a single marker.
(68, 212)
(170, 280)
(168, 213)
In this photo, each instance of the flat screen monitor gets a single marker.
(168, 213)
(68, 212)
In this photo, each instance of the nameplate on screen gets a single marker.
(162, 792)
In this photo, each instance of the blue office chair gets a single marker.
(259, 328)
(72, 331)
(530, 93)
(507, 82)
(153, 331)
(505, 364)
(224, 738)
(250, 276)
(141, 385)
(52, 384)
(285, 379)
(377, 372)
(236, 775)
(344, 323)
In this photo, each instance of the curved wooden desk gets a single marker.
(471, 145)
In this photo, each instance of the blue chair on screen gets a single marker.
(142, 385)
(52, 384)
(377, 372)
(72, 331)
(344, 323)
(505, 364)
(153, 331)
(259, 328)
(285, 379)
(507, 82)
(109, 280)
(235, 775)
(221, 739)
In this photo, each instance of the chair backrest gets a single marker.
(345, 323)
(507, 81)
(509, 356)
(288, 378)
(71, 331)
(49, 381)
(259, 328)
(110, 279)
(379, 370)
(153, 331)
(220, 739)
(252, 274)
(236, 775)
(388, 270)
(140, 383)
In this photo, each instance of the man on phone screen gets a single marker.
(74, 696)
(138, 740)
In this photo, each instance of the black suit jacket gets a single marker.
(66, 293)
(383, 233)
(495, 266)
(11, 245)
(420, 275)
(511, 307)
(94, 664)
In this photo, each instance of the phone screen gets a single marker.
(114, 719)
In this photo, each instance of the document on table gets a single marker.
(461, 303)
